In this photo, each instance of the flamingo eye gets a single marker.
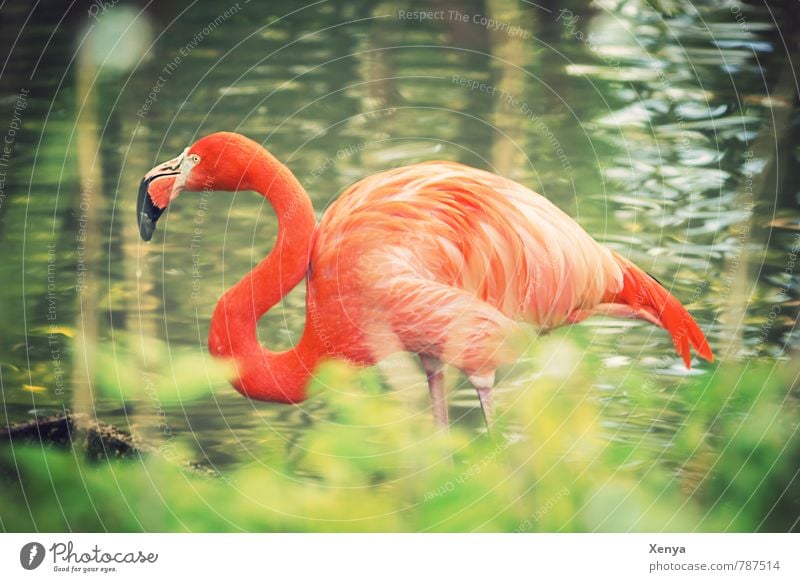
(195, 158)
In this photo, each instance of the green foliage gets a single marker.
(179, 374)
(374, 465)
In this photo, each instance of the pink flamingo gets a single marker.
(437, 258)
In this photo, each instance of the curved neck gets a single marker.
(263, 374)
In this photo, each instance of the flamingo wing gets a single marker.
(455, 256)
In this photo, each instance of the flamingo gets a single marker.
(438, 258)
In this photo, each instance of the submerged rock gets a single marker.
(99, 440)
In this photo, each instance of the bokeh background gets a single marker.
(669, 129)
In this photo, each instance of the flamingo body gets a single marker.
(443, 259)
(437, 258)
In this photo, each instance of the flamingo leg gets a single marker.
(434, 370)
(483, 386)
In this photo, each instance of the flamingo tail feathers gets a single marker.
(642, 296)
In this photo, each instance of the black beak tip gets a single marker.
(146, 228)
(147, 213)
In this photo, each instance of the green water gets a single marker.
(672, 136)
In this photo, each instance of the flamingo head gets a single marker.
(220, 161)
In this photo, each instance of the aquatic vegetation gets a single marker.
(732, 466)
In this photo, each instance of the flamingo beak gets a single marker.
(158, 188)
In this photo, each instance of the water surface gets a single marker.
(670, 136)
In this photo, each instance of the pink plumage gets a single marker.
(438, 258)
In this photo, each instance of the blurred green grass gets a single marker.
(378, 468)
